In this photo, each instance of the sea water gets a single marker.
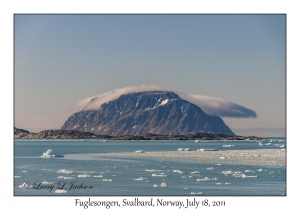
(80, 173)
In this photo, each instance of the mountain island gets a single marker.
(155, 112)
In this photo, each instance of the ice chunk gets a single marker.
(68, 177)
(228, 145)
(25, 185)
(163, 184)
(179, 171)
(140, 179)
(159, 175)
(61, 191)
(196, 193)
(245, 176)
(153, 170)
(206, 179)
(207, 149)
(45, 182)
(64, 171)
(84, 175)
(249, 171)
(51, 154)
(195, 172)
(96, 176)
(226, 172)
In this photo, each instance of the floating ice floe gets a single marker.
(228, 145)
(245, 176)
(196, 193)
(84, 175)
(17, 176)
(226, 172)
(227, 183)
(68, 177)
(153, 170)
(259, 170)
(207, 149)
(24, 171)
(61, 191)
(64, 171)
(180, 149)
(207, 179)
(25, 185)
(107, 180)
(51, 154)
(45, 182)
(140, 179)
(210, 168)
(139, 151)
(98, 176)
(161, 185)
(195, 172)
(187, 149)
(179, 171)
(159, 175)
(218, 183)
(249, 171)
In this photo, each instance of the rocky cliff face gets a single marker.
(157, 112)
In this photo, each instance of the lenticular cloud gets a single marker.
(210, 105)
(219, 106)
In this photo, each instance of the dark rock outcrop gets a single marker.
(67, 134)
(156, 112)
(20, 133)
(60, 134)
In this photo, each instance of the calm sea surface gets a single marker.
(86, 175)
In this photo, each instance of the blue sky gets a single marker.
(62, 59)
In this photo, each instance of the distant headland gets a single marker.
(73, 134)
